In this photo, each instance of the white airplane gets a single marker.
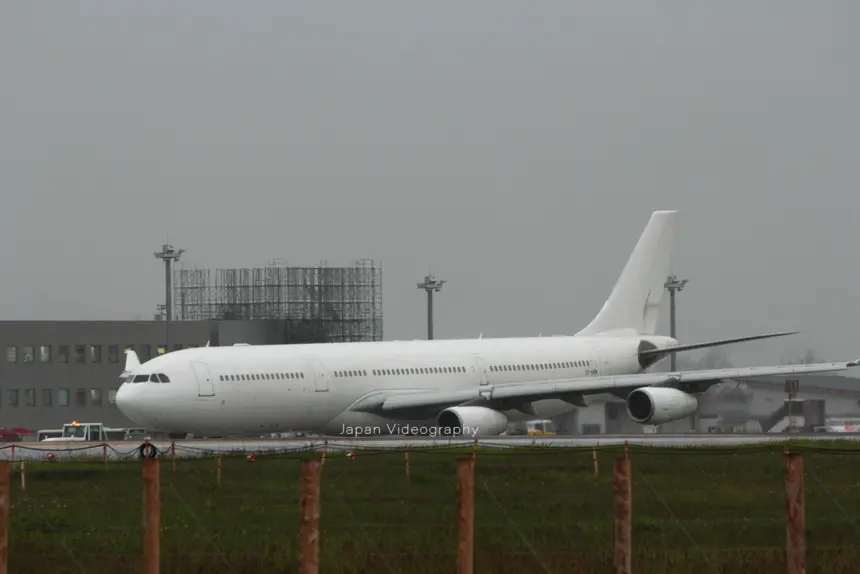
(467, 387)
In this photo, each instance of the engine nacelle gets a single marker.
(658, 405)
(471, 422)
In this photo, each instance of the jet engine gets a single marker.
(471, 422)
(658, 405)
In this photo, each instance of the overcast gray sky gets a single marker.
(518, 148)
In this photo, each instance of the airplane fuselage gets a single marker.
(278, 388)
(466, 386)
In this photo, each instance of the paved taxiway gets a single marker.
(201, 447)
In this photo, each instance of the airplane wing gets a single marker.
(567, 388)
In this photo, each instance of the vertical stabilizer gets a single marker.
(634, 303)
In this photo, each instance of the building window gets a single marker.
(62, 397)
(12, 397)
(63, 353)
(80, 353)
(45, 354)
(96, 397)
(47, 395)
(113, 353)
(81, 398)
(29, 354)
(11, 354)
(161, 349)
(30, 397)
(95, 353)
(145, 353)
(112, 396)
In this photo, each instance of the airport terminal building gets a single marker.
(54, 372)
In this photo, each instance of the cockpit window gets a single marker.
(163, 378)
(140, 378)
(154, 378)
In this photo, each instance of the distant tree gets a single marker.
(715, 358)
(807, 359)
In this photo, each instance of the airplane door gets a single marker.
(483, 371)
(320, 375)
(602, 364)
(205, 385)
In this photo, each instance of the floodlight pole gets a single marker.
(168, 254)
(673, 284)
(430, 284)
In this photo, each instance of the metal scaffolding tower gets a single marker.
(334, 304)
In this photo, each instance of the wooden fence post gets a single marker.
(218, 470)
(5, 504)
(623, 503)
(309, 528)
(151, 515)
(406, 457)
(795, 515)
(466, 516)
(173, 454)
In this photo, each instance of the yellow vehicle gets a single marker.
(544, 427)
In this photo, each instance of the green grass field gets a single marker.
(537, 510)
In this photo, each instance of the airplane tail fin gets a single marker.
(131, 360)
(634, 303)
(131, 363)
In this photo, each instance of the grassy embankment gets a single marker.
(695, 510)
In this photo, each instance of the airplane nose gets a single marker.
(125, 401)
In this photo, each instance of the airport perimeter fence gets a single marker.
(788, 508)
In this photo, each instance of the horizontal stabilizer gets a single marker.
(667, 350)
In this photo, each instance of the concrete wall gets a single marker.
(53, 372)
